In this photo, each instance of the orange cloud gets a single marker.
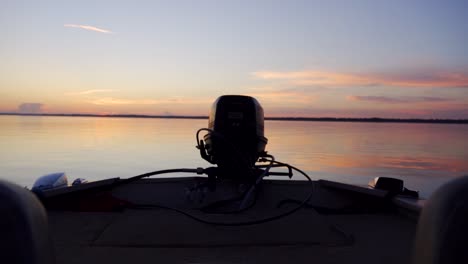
(91, 92)
(398, 100)
(284, 96)
(335, 79)
(119, 101)
(90, 28)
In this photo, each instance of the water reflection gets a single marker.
(425, 155)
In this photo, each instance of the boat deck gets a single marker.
(337, 226)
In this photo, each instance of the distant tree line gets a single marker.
(316, 119)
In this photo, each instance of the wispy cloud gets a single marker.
(282, 95)
(90, 28)
(337, 79)
(87, 92)
(122, 101)
(117, 101)
(398, 100)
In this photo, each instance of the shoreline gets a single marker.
(309, 119)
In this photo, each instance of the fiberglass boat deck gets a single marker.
(152, 221)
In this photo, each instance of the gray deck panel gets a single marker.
(164, 236)
(169, 229)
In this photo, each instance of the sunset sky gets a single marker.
(391, 59)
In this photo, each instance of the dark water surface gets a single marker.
(424, 155)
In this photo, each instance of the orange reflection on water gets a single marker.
(341, 163)
(383, 149)
(98, 148)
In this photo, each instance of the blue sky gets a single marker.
(299, 58)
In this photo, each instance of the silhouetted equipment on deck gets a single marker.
(235, 138)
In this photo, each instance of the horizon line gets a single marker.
(283, 118)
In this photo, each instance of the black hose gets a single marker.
(245, 223)
(141, 176)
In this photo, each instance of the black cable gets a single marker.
(141, 176)
(239, 154)
(349, 238)
(198, 132)
(244, 197)
(202, 171)
(247, 194)
(294, 168)
(257, 181)
(245, 223)
(198, 171)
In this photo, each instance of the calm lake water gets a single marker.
(424, 155)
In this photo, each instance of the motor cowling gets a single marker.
(236, 140)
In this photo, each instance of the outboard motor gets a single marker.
(236, 138)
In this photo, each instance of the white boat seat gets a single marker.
(24, 235)
(442, 232)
